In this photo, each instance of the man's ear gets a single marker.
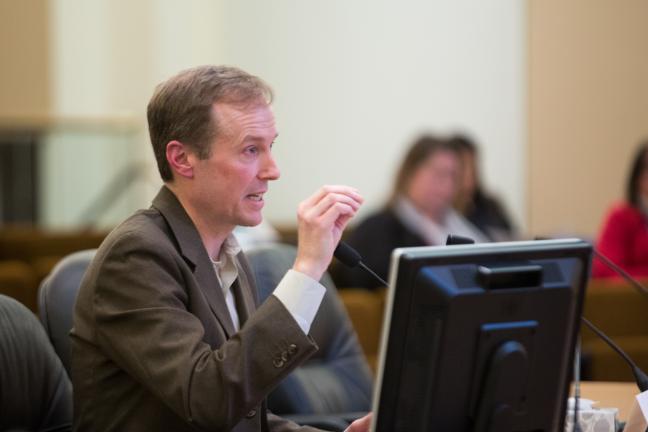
(180, 159)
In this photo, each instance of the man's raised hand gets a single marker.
(321, 220)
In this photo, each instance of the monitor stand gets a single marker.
(504, 383)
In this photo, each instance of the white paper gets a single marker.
(637, 418)
(642, 399)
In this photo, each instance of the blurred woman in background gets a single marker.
(419, 212)
(624, 237)
(478, 206)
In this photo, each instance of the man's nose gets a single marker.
(270, 170)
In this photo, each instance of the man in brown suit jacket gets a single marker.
(167, 335)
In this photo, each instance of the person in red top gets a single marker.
(624, 237)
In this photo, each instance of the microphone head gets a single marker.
(347, 255)
(640, 378)
(454, 239)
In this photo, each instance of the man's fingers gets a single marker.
(322, 217)
(361, 425)
(338, 189)
(335, 212)
(328, 201)
(342, 221)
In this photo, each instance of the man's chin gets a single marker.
(250, 222)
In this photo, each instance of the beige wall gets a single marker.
(588, 108)
(24, 83)
(355, 82)
(587, 89)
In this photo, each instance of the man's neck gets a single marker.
(213, 236)
(212, 239)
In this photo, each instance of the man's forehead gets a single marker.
(254, 119)
(237, 109)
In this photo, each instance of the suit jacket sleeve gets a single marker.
(144, 325)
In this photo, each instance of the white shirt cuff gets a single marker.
(302, 296)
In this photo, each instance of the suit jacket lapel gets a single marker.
(193, 251)
(243, 290)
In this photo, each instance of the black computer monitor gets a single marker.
(480, 337)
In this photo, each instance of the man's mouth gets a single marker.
(255, 197)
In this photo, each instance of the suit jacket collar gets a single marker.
(194, 253)
(185, 232)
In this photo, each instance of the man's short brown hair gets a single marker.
(181, 108)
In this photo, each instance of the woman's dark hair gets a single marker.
(418, 153)
(632, 190)
(464, 144)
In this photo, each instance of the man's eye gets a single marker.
(251, 150)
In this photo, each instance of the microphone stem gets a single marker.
(635, 283)
(382, 281)
(607, 340)
(640, 377)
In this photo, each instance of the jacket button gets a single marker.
(251, 414)
(292, 349)
(278, 363)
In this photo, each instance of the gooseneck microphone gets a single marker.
(624, 274)
(640, 377)
(454, 239)
(351, 258)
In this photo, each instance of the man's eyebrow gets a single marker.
(256, 138)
